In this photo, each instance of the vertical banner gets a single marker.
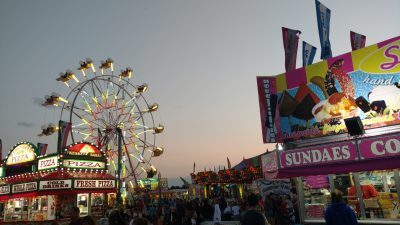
(290, 44)
(268, 101)
(42, 148)
(63, 130)
(357, 40)
(229, 163)
(194, 167)
(308, 53)
(323, 19)
(1, 151)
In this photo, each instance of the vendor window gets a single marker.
(97, 202)
(83, 204)
(17, 209)
(316, 195)
(379, 194)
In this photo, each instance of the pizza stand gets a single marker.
(37, 187)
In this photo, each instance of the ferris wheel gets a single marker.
(102, 104)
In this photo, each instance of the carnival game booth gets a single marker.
(339, 123)
(42, 188)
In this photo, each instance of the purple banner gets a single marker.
(319, 155)
(384, 146)
(357, 40)
(268, 100)
(290, 44)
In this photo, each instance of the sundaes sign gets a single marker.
(97, 184)
(24, 187)
(48, 163)
(83, 164)
(339, 152)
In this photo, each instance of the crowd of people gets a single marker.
(272, 210)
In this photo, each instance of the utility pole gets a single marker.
(119, 182)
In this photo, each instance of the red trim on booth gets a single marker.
(3, 198)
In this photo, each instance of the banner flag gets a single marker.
(63, 130)
(323, 19)
(42, 148)
(229, 163)
(290, 44)
(1, 150)
(357, 40)
(194, 167)
(308, 53)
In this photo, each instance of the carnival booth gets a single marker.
(40, 188)
(232, 182)
(339, 123)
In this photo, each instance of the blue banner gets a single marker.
(308, 53)
(323, 19)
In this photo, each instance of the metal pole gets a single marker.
(359, 195)
(397, 179)
(119, 181)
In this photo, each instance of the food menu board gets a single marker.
(318, 181)
(313, 101)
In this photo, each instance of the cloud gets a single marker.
(25, 124)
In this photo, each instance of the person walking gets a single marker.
(338, 212)
(252, 216)
(74, 216)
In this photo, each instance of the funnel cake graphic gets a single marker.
(337, 106)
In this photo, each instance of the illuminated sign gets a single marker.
(334, 153)
(20, 154)
(83, 164)
(313, 101)
(384, 146)
(83, 149)
(24, 187)
(4, 189)
(48, 163)
(55, 184)
(148, 183)
(96, 184)
(1, 171)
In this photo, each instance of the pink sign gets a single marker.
(269, 162)
(318, 181)
(384, 146)
(338, 152)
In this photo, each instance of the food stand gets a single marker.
(307, 109)
(37, 187)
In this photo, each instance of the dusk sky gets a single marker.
(199, 58)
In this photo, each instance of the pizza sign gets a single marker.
(20, 154)
(48, 163)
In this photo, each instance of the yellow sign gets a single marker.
(385, 60)
(21, 154)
